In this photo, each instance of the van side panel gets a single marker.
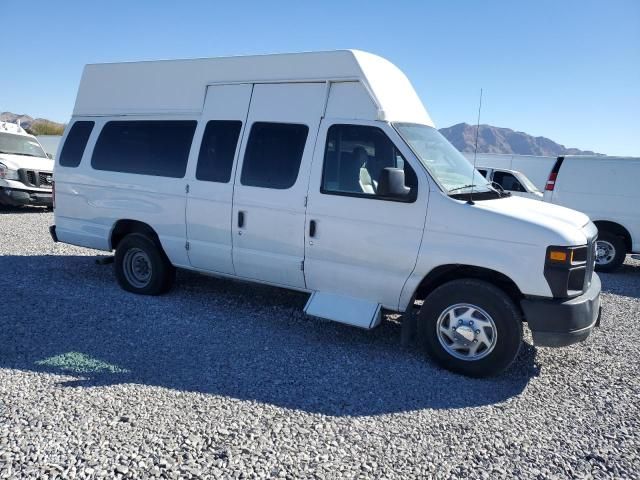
(604, 189)
(350, 100)
(89, 202)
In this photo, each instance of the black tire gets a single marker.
(159, 275)
(493, 301)
(616, 258)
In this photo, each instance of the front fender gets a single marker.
(521, 262)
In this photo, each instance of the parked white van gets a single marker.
(26, 171)
(512, 181)
(320, 172)
(607, 189)
(535, 167)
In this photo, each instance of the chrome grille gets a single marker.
(36, 178)
(45, 179)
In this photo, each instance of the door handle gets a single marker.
(312, 228)
(240, 219)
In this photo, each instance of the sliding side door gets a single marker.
(210, 195)
(271, 182)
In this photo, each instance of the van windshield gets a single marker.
(20, 145)
(445, 164)
(527, 183)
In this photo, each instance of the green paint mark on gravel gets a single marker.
(80, 363)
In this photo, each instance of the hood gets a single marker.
(508, 220)
(537, 212)
(16, 162)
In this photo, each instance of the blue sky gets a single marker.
(567, 70)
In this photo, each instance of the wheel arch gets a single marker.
(124, 227)
(446, 273)
(615, 229)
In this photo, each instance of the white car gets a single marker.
(320, 172)
(607, 189)
(516, 183)
(26, 171)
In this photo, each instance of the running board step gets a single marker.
(349, 310)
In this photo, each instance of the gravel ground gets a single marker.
(225, 379)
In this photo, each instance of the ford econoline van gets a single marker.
(607, 190)
(320, 172)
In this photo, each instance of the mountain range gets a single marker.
(462, 135)
(35, 126)
(504, 140)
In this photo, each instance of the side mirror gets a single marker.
(498, 187)
(49, 156)
(391, 183)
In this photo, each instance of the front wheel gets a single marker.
(142, 267)
(471, 327)
(610, 252)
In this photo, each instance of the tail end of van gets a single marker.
(550, 186)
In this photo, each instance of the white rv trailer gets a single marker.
(320, 172)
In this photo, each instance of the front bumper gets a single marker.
(16, 198)
(562, 322)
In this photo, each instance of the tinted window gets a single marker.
(354, 159)
(508, 181)
(273, 155)
(483, 172)
(217, 150)
(74, 145)
(147, 147)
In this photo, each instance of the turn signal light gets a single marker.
(558, 256)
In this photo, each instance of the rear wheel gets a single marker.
(142, 267)
(610, 252)
(470, 327)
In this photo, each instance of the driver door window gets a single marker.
(355, 157)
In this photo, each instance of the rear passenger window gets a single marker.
(273, 155)
(146, 147)
(76, 142)
(217, 150)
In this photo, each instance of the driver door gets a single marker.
(358, 243)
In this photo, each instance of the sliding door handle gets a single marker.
(240, 219)
(312, 228)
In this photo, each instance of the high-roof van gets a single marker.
(607, 189)
(320, 172)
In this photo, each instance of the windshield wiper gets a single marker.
(462, 188)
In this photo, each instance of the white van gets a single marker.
(607, 189)
(512, 181)
(320, 172)
(535, 167)
(26, 171)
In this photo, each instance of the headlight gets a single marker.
(7, 173)
(565, 269)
